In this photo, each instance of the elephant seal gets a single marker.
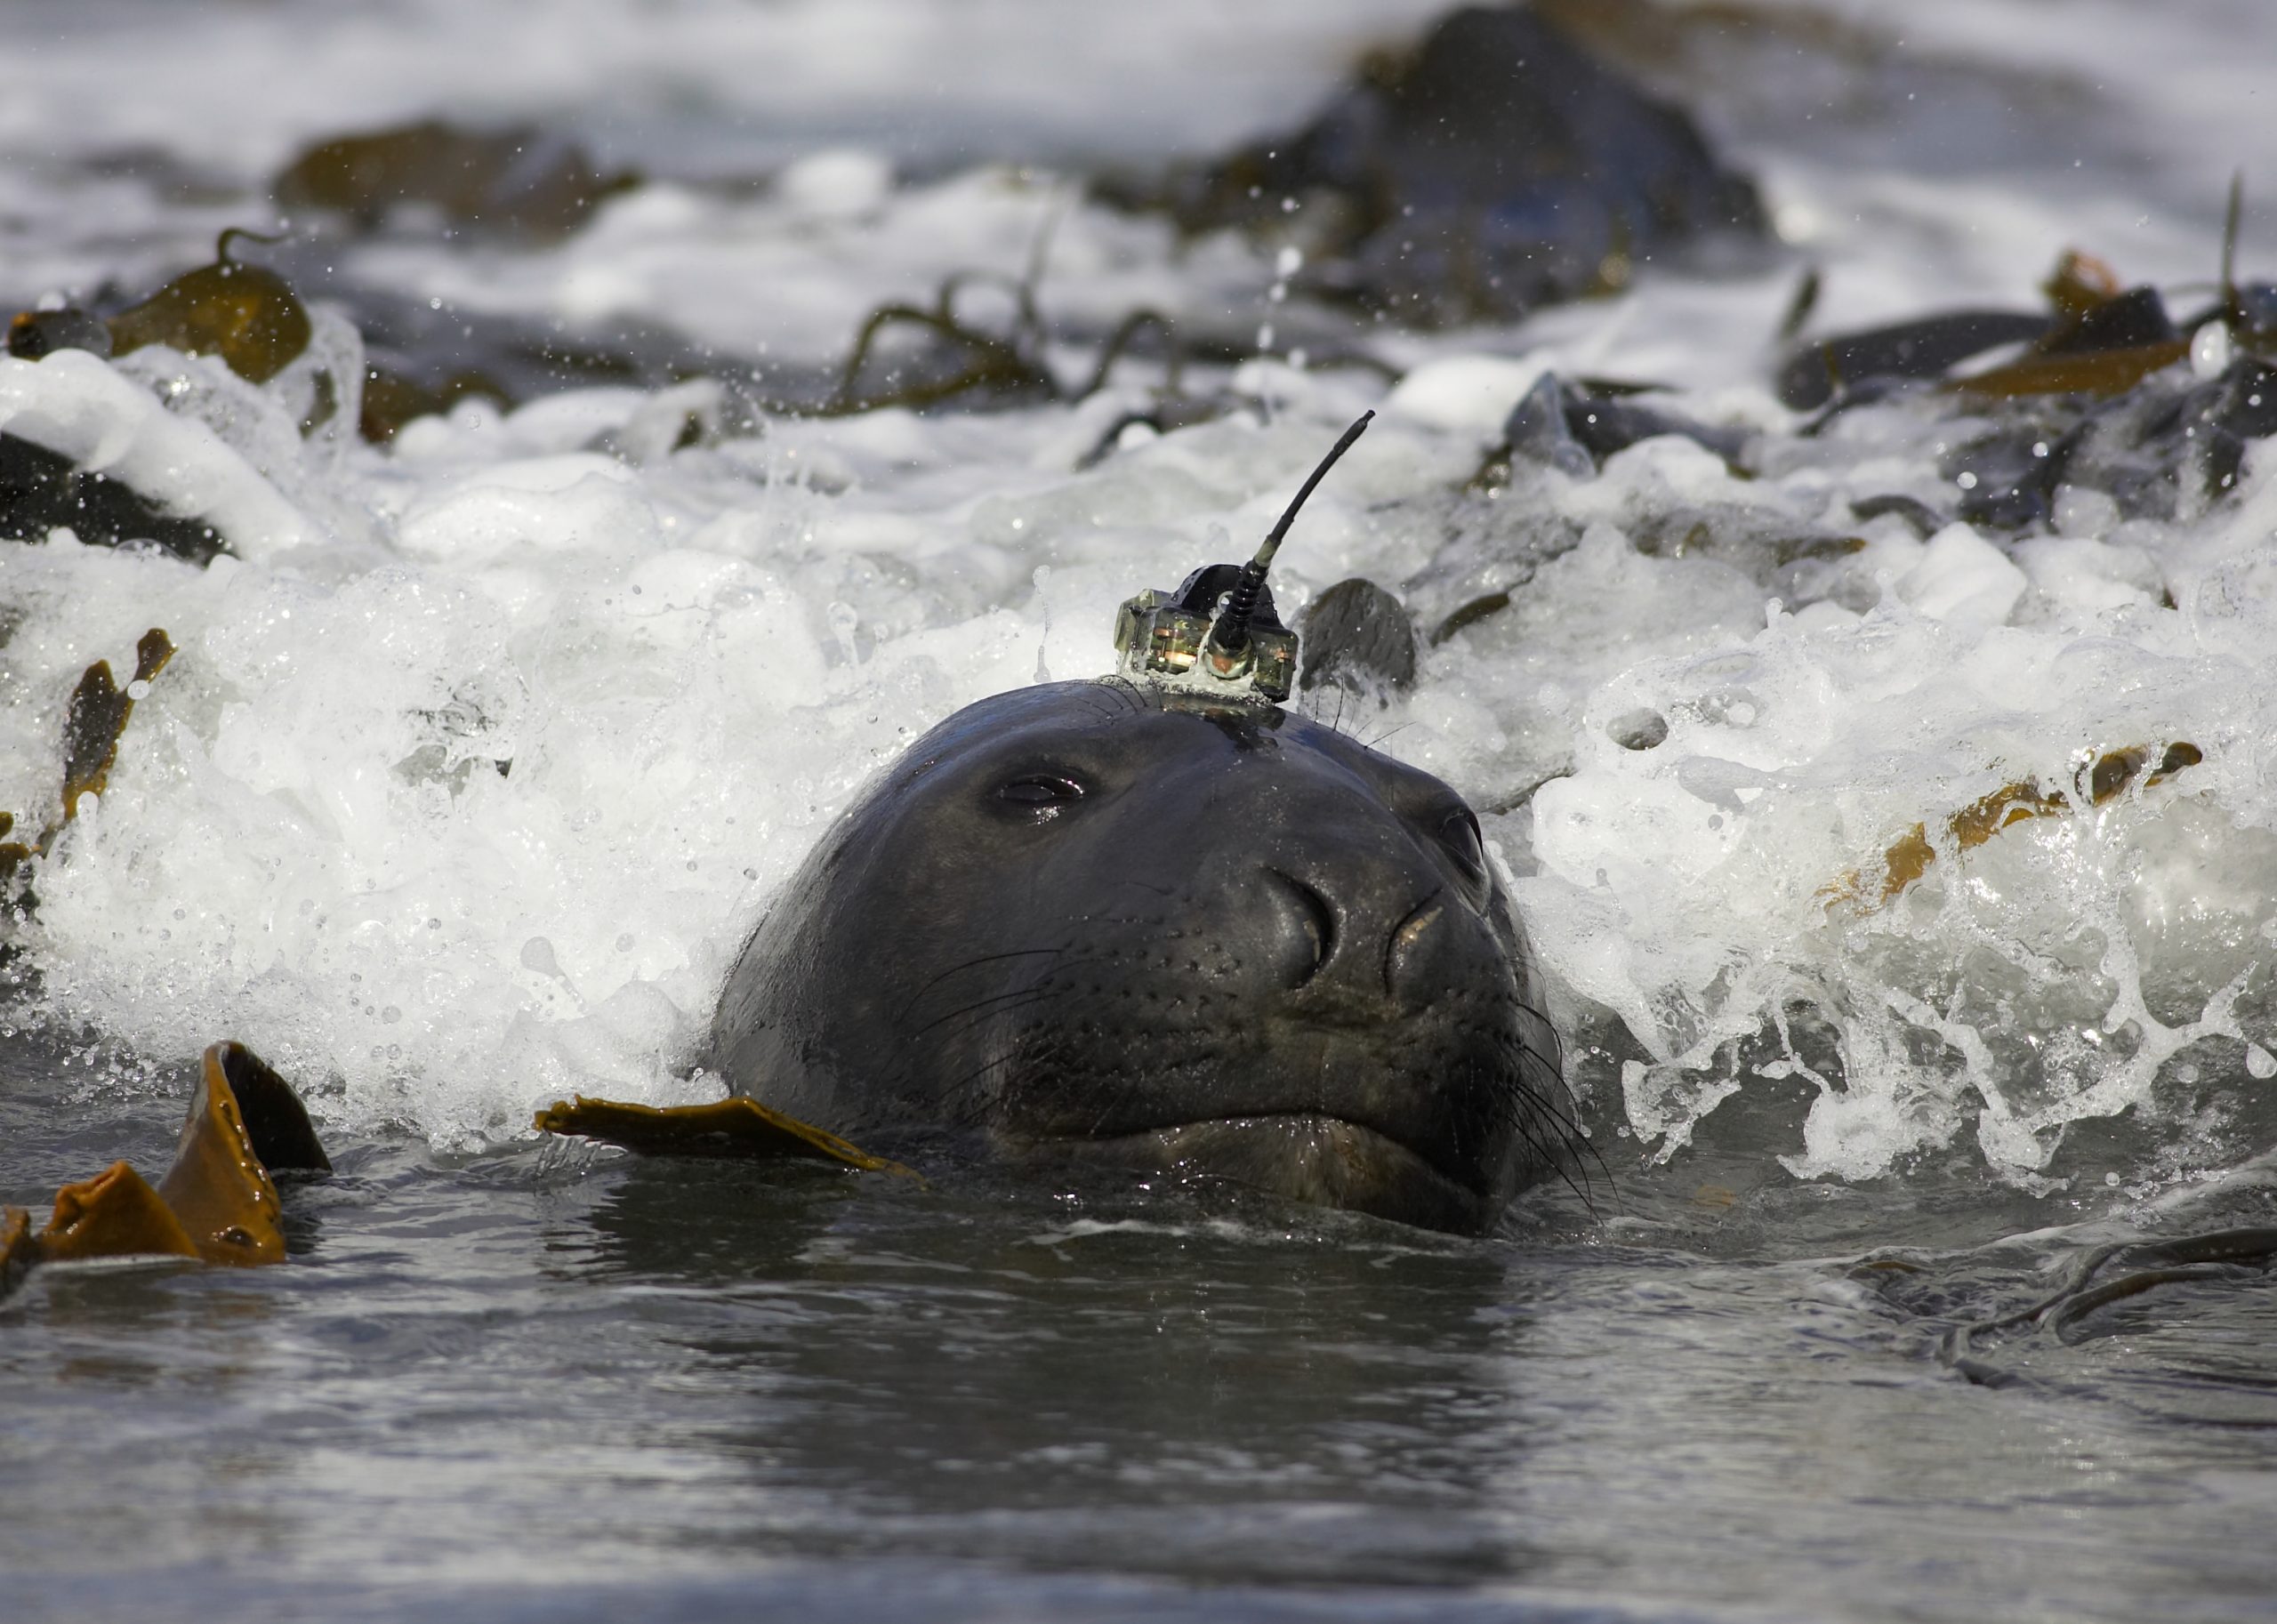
(1216, 940)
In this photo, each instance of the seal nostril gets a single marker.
(1311, 919)
(1409, 952)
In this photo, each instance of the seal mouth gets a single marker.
(1308, 1156)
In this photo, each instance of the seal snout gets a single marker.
(1386, 942)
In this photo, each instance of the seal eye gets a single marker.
(1042, 794)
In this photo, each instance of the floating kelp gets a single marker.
(2099, 784)
(13, 853)
(2093, 346)
(2243, 1255)
(98, 717)
(518, 181)
(736, 1127)
(41, 491)
(1924, 520)
(93, 723)
(1496, 166)
(419, 360)
(217, 1203)
(245, 314)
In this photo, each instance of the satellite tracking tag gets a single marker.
(1217, 636)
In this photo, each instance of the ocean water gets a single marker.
(485, 749)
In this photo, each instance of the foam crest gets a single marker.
(1734, 890)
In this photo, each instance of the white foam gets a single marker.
(73, 405)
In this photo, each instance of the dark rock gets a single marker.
(1604, 424)
(1357, 636)
(2171, 435)
(1573, 429)
(2011, 473)
(2172, 438)
(1537, 431)
(1638, 729)
(41, 490)
(1496, 167)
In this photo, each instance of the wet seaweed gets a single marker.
(2221, 1254)
(94, 722)
(964, 363)
(247, 314)
(2103, 780)
(517, 181)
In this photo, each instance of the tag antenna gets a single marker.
(1230, 635)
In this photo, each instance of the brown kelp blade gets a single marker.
(92, 726)
(736, 1127)
(220, 1186)
(19, 1248)
(115, 1214)
(247, 314)
(2103, 372)
(2099, 783)
(275, 1123)
(216, 1203)
(98, 715)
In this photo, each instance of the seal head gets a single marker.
(1221, 940)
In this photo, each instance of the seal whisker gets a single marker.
(1036, 1056)
(986, 959)
(1000, 1004)
(1040, 982)
(1571, 1143)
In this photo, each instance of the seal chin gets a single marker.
(1325, 1160)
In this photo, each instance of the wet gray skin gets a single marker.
(1224, 942)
